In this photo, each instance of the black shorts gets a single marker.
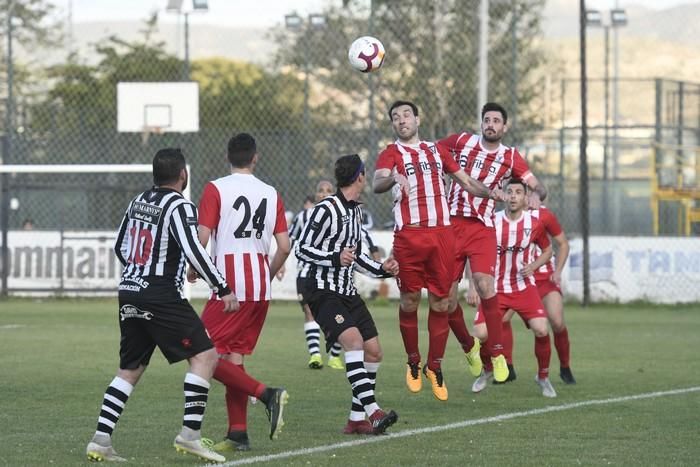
(335, 313)
(171, 325)
(305, 287)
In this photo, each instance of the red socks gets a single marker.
(234, 377)
(439, 331)
(494, 325)
(561, 342)
(408, 324)
(507, 337)
(543, 352)
(459, 328)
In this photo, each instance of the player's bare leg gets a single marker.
(554, 305)
(408, 324)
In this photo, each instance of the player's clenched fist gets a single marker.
(230, 303)
(391, 266)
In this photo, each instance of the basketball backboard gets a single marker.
(165, 106)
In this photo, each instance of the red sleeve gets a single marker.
(451, 166)
(281, 221)
(550, 222)
(386, 160)
(520, 168)
(540, 237)
(210, 206)
(450, 142)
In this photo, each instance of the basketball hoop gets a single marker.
(148, 130)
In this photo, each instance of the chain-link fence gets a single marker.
(306, 107)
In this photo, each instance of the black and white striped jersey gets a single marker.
(156, 240)
(296, 228)
(335, 223)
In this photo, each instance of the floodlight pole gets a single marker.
(483, 58)
(6, 152)
(583, 160)
(186, 76)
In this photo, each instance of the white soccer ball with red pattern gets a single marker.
(366, 54)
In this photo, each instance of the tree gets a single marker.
(32, 26)
(432, 57)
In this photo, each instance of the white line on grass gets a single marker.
(12, 326)
(451, 426)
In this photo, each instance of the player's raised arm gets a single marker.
(475, 187)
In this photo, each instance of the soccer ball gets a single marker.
(366, 54)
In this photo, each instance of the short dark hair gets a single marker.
(517, 181)
(494, 107)
(309, 199)
(400, 103)
(241, 149)
(347, 169)
(167, 165)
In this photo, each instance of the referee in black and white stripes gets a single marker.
(331, 242)
(156, 240)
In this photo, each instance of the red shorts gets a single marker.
(235, 332)
(476, 242)
(527, 303)
(426, 259)
(545, 286)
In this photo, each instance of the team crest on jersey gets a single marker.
(339, 319)
(130, 311)
(345, 219)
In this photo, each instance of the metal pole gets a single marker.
(483, 58)
(307, 68)
(372, 146)
(562, 137)
(514, 74)
(616, 99)
(187, 47)
(607, 125)
(6, 154)
(583, 162)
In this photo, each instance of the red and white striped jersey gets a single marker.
(515, 238)
(551, 225)
(244, 214)
(490, 168)
(424, 165)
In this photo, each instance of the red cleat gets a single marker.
(361, 427)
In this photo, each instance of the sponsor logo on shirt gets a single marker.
(146, 213)
(339, 319)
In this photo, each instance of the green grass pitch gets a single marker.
(58, 355)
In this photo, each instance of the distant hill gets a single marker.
(676, 24)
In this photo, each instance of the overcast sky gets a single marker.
(260, 12)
